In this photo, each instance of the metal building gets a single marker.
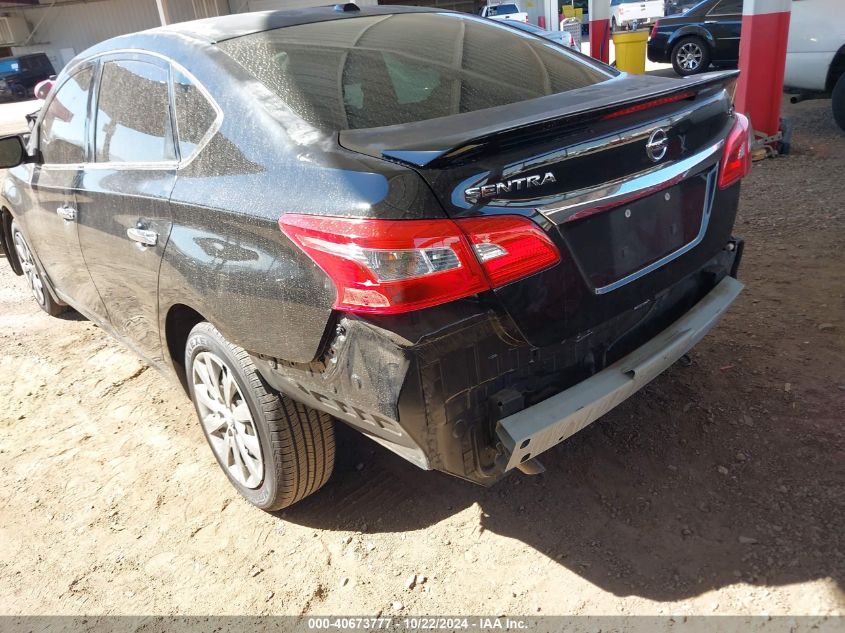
(64, 28)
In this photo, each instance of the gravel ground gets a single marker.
(717, 489)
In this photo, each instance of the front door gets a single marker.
(50, 220)
(124, 194)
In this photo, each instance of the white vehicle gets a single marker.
(625, 14)
(564, 38)
(504, 11)
(815, 54)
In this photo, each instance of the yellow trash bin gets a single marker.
(630, 50)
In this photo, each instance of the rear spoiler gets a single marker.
(438, 141)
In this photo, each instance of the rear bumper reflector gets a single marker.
(529, 432)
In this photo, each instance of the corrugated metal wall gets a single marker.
(68, 30)
(242, 6)
(182, 10)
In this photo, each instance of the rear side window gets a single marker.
(727, 7)
(133, 114)
(393, 69)
(195, 116)
(62, 134)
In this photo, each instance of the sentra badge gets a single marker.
(508, 186)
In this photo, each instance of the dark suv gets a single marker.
(350, 214)
(18, 75)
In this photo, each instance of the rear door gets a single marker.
(124, 193)
(724, 21)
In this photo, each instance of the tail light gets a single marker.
(392, 266)
(736, 161)
(654, 29)
(525, 18)
(509, 247)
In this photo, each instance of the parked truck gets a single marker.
(504, 11)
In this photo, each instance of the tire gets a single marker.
(274, 451)
(41, 291)
(690, 55)
(838, 102)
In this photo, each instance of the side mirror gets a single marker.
(12, 152)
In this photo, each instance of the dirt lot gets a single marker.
(720, 488)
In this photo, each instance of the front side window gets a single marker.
(380, 70)
(133, 114)
(62, 136)
(194, 114)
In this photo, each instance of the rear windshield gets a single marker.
(9, 66)
(502, 9)
(382, 70)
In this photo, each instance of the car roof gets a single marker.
(219, 29)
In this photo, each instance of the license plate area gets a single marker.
(617, 246)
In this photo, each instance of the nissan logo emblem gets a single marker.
(657, 144)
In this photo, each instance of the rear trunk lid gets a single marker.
(621, 175)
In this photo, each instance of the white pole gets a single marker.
(552, 18)
(163, 12)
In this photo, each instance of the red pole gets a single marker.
(599, 11)
(541, 21)
(762, 57)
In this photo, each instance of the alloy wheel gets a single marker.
(689, 56)
(227, 420)
(29, 269)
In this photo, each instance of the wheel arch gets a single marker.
(178, 323)
(6, 243)
(687, 31)
(836, 69)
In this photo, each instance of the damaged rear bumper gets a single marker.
(456, 388)
(529, 432)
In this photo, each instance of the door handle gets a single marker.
(142, 236)
(66, 213)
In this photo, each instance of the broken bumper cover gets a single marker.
(529, 432)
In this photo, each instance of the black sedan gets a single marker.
(344, 214)
(708, 33)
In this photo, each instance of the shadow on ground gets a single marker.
(636, 504)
